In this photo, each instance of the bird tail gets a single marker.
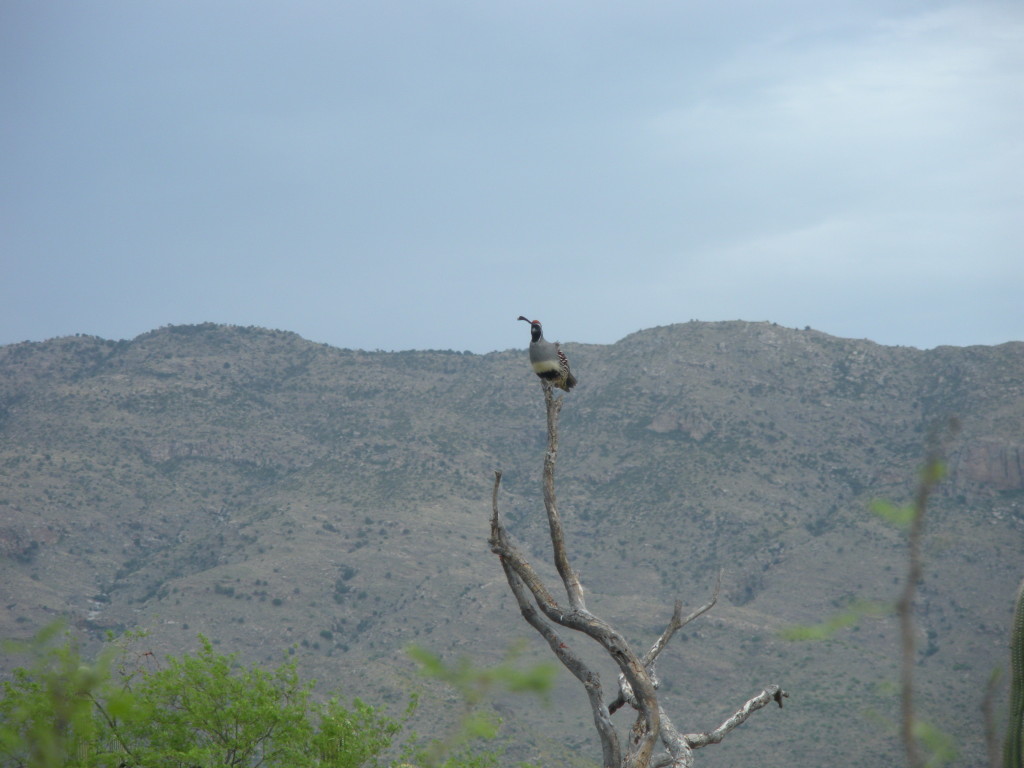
(566, 381)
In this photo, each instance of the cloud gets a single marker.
(889, 154)
(621, 166)
(909, 99)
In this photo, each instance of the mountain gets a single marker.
(285, 497)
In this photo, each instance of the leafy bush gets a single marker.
(199, 710)
(205, 710)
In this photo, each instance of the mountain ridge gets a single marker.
(276, 493)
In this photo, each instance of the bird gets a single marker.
(548, 360)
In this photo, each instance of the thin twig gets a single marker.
(678, 623)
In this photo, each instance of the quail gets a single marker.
(548, 360)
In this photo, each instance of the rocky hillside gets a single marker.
(284, 497)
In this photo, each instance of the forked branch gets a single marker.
(676, 623)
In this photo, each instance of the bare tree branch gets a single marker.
(769, 694)
(690, 617)
(570, 578)
(675, 624)
(591, 680)
(577, 617)
(615, 645)
(637, 679)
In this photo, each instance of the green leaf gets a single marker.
(900, 516)
(940, 745)
(480, 725)
(933, 472)
(841, 620)
(430, 664)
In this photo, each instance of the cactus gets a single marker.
(1013, 754)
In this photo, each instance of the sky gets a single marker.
(415, 175)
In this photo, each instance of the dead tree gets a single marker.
(638, 682)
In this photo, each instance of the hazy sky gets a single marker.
(400, 175)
